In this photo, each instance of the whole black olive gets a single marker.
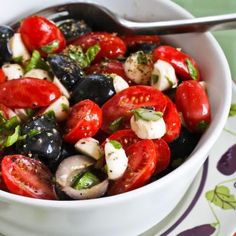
(145, 47)
(5, 53)
(96, 87)
(72, 29)
(66, 70)
(43, 139)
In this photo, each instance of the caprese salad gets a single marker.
(86, 114)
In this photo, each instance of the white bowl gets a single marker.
(136, 211)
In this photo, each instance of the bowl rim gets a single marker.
(9, 197)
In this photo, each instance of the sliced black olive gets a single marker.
(145, 47)
(43, 140)
(96, 87)
(72, 29)
(5, 53)
(76, 178)
(66, 70)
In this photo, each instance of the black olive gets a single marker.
(43, 140)
(145, 47)
(66, 70)
(96, 87)
(182, 147)
(5, 53)
(72, 29)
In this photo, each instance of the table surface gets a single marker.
(227, 39)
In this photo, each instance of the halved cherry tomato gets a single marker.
(109, 67)
(128, 99)
(111, 45)
(163, 155)
(133, 40)
(38, 33)
(142, 162)
(172, 121)
(185, 66)
(85, 119)
(2, 76)
(192, 100)
(27, 177)
(28, 93)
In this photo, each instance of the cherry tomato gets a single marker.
(27, 177)
(133, 40)
(191, 99)
(28, 93)
(163, 155)
(109, 67)
(128, 99)
(85, 119)
(2, 76)
(111, 45)
(142, 162)
(38, 33)
(185, 66)
(6, 112)
(172, 121)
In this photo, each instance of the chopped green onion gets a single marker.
(11, 139)
(232, 111)
(18, 59)
(33, 132)
(51, 47)
(115, 144)
(142, 58)
(65, 107)
(146, 114)
(116, 124)
(87, 180)
(154, 78)
(12, 122)
(192, 69)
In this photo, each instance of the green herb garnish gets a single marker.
(18, 59)
(192, 69)
(147, 114)
(115, 144)
(51, 47)
(12, 122)
(154, 79)
(116, 124)
(142, 58)
(13, 138)
(232, 111)
(85, 181)
(202, 125)
(33, 132)
(65, 107)
(169, 81)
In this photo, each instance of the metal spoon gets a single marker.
(100, 18)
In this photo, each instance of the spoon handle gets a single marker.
(201, 24)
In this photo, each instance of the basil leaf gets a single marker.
(12, 123)
(65, 107)
(11, 139)
(91, 53)
(232, 111)
(116, 144)
(221, 197)
(147, 114)
(51, 47)
(33, 132)
(142, 58)
(116, 124)
(87, 180)
(18, 59)
(191, 69)
(36, 62)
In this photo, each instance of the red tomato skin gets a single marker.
(2, 76)
(177, 59)
(109, 67)
(163, 155)
(6, 112)
(192, 101)
(111, 45)
(38, 31)
(27, 177)
(85, 119)
(28, 93)
(142, 162)
(132, 40)
(173, 122)
(128, 99)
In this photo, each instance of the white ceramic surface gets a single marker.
(136, 211)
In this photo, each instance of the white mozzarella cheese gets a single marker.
(138, 67)
(22, 114)
(12, 71)
(90, 147)
(38, 73)
(148, 129)
(60, 107)
(61, 87)
(18, 48)
(119, 83)
(163, 76)
(116, 160)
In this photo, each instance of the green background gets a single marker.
(227, 39)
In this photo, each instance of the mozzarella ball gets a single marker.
(12, 71)
(38, 73)
(119, 83)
